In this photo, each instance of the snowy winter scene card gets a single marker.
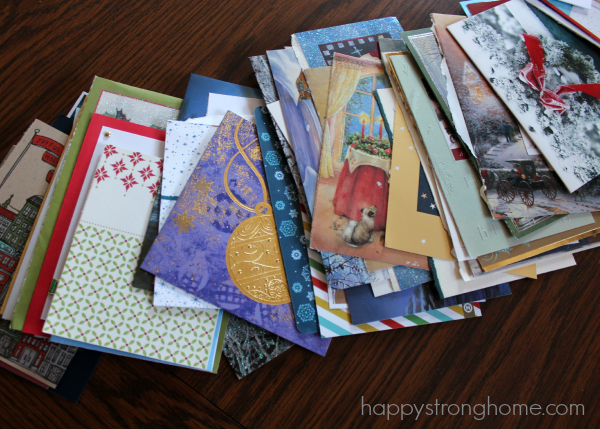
(551, 88)
(517, 184)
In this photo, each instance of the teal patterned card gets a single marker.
(288, 218)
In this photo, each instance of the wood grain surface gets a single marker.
(538, 346)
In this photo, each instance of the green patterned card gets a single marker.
(94, 301)
(107, 98)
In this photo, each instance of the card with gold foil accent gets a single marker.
(220, 241)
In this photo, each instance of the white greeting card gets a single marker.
(185, 143)
(94, 301)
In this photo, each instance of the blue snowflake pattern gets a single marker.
(272, 158)
(290, 193)
(293, 213)
(279, 175)
(310, 296)
(287, 228)
(296, 253)
(306, 313)
(303, 239)
(279, 205)
(265, 136)
(264, 110)
(306, 273)
(297, 287)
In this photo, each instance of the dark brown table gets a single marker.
(538, 346)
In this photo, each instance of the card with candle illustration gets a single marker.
(224, 210)
(352, 194)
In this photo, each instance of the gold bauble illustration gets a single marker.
(254, 259)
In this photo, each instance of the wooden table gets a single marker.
(538, 346)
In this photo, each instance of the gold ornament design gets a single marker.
(253, 256)
(184, 222)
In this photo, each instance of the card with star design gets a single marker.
(220, 240)
(414, 224)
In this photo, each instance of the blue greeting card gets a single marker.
(195, 102)
(366, 308)
(288, 219)
(220, 241)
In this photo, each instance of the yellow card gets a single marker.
(413, 221)
(530, 271)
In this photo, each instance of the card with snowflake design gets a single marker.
(288, 220)
(94, 301)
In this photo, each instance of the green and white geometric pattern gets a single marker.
(95, 303)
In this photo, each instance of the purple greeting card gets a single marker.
(220, 240)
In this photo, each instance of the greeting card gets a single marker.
(25, 176)
(500, 147)
(512, 254)
(195, 103)
(220, 241)
(107, 98)
(414, 223)
(288, 222)
(457, 177)
(336, 322)
(352, 195)
(316, 48)
(94, 301)
(38, 358)
(366, 308)
(103, 132)
(248, 347)
(264, 76)
(300, 116)
(551, 88)
(184, 145)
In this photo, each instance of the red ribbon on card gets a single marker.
(534, 75)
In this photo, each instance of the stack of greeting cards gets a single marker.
(377, 179)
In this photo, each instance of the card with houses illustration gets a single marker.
(42, 360)
(94, 300)
(25, 175)
(352, 194)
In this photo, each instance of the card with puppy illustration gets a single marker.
(350, 208)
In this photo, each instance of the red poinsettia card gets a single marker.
(104, 135)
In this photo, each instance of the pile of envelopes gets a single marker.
(378, 179)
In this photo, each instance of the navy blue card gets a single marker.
(366, 308)
(195, 102)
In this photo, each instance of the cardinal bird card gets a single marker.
(549, 85)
